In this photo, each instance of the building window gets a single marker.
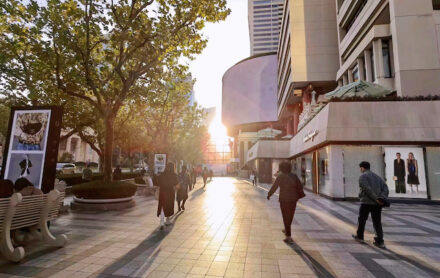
(355, 16)
(436, 4)
(356, 74)
(73, 144)
(373, 73)
(386, 58)
(63, 144)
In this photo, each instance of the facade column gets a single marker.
(289, 125)
(340, 83)
(368, 73)
(350, 76)
(344, 79)
(361, 68)
(296, 113)
(378, 60)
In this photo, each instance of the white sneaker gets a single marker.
(168, 222)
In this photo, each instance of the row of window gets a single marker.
(387, 67)
(266, 34)
(265, 43)
(436, 4)
(268, 24)
(266, 49)
(265, 15)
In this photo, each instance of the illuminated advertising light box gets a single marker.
(31, 148)
(160, 161)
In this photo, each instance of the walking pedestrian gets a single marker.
(211, 174)
(373, 195)
(291, 190)
(182, 192)
(254, 177)
(194, 177)
(205, 175)
(117, 173)
(87, 174)
(168, 183)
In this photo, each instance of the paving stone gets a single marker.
(231, 230)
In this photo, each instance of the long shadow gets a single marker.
(147, 248)
(197, 193)
(317, 267)
(389, 254)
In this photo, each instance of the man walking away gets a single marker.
(373, 195)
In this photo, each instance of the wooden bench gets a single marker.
(32, 212)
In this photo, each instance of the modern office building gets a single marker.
(328, 47)
(264, 25)
(394, 43)
(249, 106)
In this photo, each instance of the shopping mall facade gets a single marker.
(330, 45)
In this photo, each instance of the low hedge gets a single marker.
(74, 179)
(139, 180)
(101, 190)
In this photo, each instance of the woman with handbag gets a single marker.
(291, 190)
(168, 184)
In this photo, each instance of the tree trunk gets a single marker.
(108, 149)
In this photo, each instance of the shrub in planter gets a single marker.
(74, 179)
(139, 180)
(101, 190)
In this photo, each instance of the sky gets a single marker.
(228, 43)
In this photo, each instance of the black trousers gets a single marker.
(400, 186)
(376, 212)
(288, 211)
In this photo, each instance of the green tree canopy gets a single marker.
(97, 54)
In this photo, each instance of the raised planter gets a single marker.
(103, 196)
(102, 204)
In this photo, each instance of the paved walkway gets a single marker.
(231, 230)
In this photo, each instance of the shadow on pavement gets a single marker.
(321, 270)
(197, 193)
(147, 249)
(389, 254)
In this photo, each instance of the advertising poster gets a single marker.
(405, 172)
(27, 146)
(28, 153)
(160, 161)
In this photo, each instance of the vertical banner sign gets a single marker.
(31, 149)
(160, 161)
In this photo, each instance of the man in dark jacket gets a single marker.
(373, 192)
(399, 174)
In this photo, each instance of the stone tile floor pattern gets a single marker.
(231, 230)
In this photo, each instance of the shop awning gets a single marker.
(359, 89)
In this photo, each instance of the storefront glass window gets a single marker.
(324, 176)
(307, 171)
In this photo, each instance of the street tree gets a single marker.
(98, 52)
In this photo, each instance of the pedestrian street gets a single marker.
(231, 230)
